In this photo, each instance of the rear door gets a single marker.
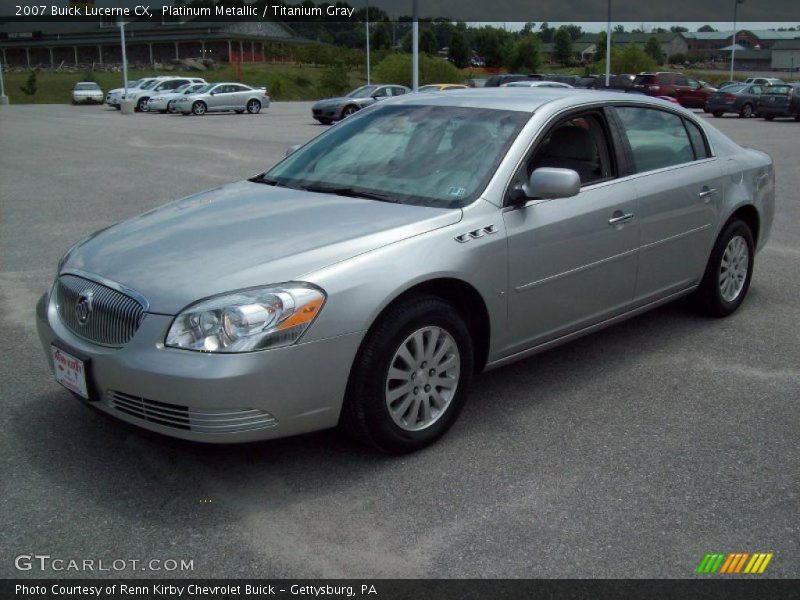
(680, 185)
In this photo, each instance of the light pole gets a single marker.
(3, 97)
(368, 65)
(608, 46)
(415, 47)
(736, 4)
(125, 105)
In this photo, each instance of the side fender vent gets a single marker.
(476, 233)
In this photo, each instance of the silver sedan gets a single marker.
(216, 97)
(368, 276)
(333, 109)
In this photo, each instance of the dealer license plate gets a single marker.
(70, 371)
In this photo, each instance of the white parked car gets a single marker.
(114, 97)
(536, 84)
(87, 92)
(142, 94)
(161, 100)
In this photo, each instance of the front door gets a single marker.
(572, 261)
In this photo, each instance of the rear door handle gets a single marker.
(706, 192)
(619, 218)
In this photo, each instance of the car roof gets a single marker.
(521, 99)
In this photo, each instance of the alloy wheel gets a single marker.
(423, 378)
(733, 268)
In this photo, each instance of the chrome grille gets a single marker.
(190, 419)
(113, 319)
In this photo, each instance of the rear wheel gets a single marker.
(199, 108)
(746, 112)
(409, 380)
(728, 273)
(768, 117)
(717, 113)
(141, 105)
(253, 107)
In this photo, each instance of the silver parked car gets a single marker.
(333, 109)
(161, 102)
(141, 96)
(87, 92)
(366, 277)
(217, 97)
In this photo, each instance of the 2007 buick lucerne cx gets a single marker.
(366, 277)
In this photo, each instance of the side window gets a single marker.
(693, 83)
(579, 143)
(398, 91)
(657, 138)
(756, 89)
(382, 92)
(681, 80)
(698, 140)
(220, 89)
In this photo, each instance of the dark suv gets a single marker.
(664, 83)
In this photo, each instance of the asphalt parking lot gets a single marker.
(629, 453)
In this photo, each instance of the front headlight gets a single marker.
(248, 320)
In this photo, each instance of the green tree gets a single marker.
(334, 80)
(29, 88)
(459, 51)
(632, 59)
(396, 68)
(678, 29)
(490, 42)
(653, 49)
(600, 46)
(524, 55)
(427, 41)
(562, 46)
(706, 29)
(380, 38)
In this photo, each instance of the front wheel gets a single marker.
(717, 113)
(199, 108)
(746, 112)
(349, 110)
(728, 273)
(254, 107)
(409, 380)
(768, 117)
(141, 105)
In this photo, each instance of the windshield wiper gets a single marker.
(348, 192)
(267, 181)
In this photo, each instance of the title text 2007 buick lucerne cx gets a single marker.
(366, 277)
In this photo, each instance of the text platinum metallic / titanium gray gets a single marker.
(369, 274)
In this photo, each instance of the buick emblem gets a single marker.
(83, 308)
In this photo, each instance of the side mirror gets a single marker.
(292, 149)
(550, 183)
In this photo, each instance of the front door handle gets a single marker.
(706, 192)
(618, 218)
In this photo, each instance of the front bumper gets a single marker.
(330, 113)
(81, 99)
(203, 397)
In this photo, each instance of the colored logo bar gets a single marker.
(734, 562)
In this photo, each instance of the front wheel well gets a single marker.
(748, 214)
(467, 301)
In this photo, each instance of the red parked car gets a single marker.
(688, 92)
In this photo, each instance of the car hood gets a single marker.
(339, 101)
(242, 235)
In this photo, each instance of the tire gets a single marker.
(199, 108)
(163, 112)
(717, 113)
(325, 121)
(141, 104)
(713, 298)
(797, 117)
(768, 117)
(239, 112)
(253, 107)
(349, 110)
(746, 112)
(366, 413)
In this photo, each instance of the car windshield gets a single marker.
(734, 88)
(148, 85)
(86, 86)
(429, 88)
(440, 156)
(362, 92)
